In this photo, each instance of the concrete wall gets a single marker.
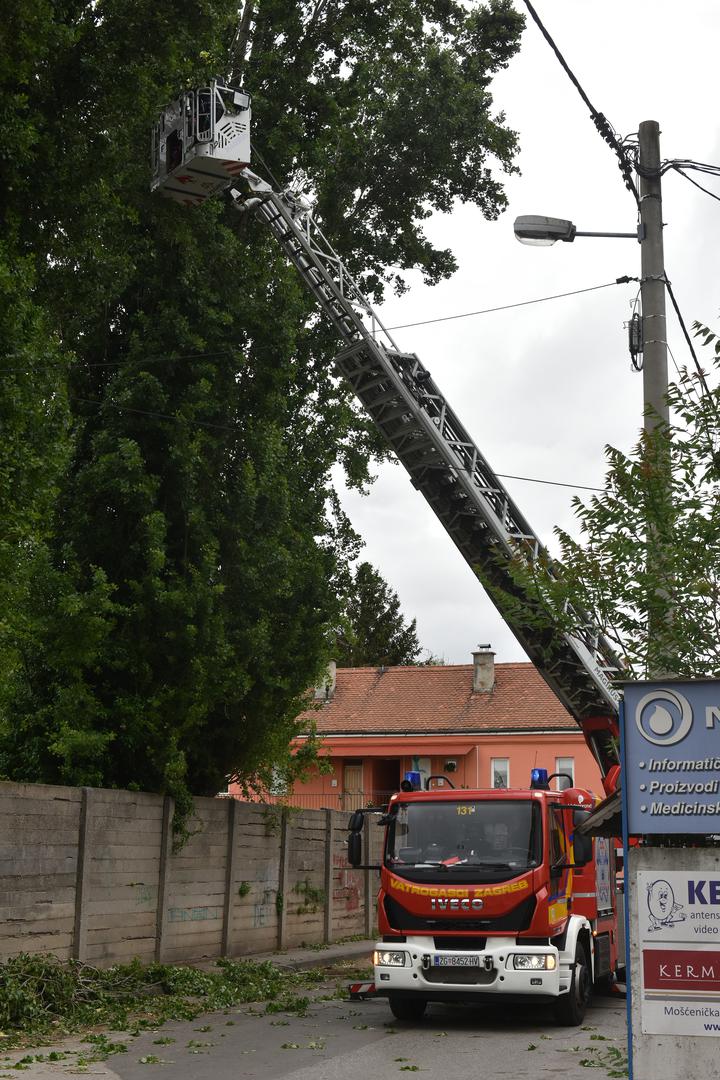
(91, 874)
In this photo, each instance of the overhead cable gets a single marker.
(554, 483)
(681, 172)
(157, 415)
(520, 303)
(228, 352)
(691, 347)
(600, 121)
(234, 431)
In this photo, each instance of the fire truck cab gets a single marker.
(489, 896)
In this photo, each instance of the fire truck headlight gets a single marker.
(388, 958)
(533, 962)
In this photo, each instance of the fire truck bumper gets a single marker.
(503, 969)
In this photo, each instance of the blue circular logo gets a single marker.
(663, 717)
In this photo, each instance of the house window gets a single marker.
(565, 765)
(499, 772)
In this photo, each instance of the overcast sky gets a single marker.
(543, 389)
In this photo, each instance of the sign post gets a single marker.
(671, 795)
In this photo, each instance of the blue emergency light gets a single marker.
(539, 779)
(412, 781)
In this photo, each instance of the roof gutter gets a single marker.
(442, 734)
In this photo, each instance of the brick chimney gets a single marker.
(325, 690)
(483, 670)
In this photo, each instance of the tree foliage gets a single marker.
(646, 566)
(373, 631)
(168, 535)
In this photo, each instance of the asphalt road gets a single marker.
(343, 1040)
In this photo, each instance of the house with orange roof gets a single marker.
(481, 725)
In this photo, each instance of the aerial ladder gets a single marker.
(201, 146)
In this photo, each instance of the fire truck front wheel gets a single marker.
(407, 1008)
(571, 1007)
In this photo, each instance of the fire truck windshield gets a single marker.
(493, 835)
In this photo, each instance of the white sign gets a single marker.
(672, 757)
(679, 932)
(602, 874)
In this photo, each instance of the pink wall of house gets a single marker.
(373, 764)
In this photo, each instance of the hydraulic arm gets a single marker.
(200, 145)
(443, 462)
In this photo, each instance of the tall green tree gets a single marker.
(35, 421)
(646, 562)
(373, 630)
(179, 604)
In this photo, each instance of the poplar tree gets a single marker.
(373, 630)
(171, 450)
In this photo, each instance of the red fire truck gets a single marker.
(493, 896)
(483, 893)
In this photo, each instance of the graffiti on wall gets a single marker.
(346, 890)
(194, 914)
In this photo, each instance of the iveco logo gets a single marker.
(456, 905)
(663, 717)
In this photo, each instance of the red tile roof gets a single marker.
(440, 698)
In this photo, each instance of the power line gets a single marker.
(688, 163)
(113, 363)
(681, 172)
(600, 121)
(554, 483)
(157, 415)
(701, 374)
(234, 431)
(683, 327)
(520, 303)
(688, 387)
(228, 352)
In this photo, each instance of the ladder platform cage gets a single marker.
(201, 142)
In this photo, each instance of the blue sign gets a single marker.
(672, 757)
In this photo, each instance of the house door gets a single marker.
(386, 779)
(353, 798)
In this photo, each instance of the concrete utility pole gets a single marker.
(652, 287)
(655, 367)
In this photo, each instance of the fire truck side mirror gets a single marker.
(582, 844)
(355, 848)
(582, 850)
(356, 822)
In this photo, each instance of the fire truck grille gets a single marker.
(459, 944)
(402, 920)
(460, 976)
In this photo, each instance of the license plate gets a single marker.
(458, 960)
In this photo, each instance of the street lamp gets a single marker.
(541, 231)
(545, 231)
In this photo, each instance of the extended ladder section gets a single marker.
(443, 463)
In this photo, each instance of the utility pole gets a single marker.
(652, 285)
(655, 388)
